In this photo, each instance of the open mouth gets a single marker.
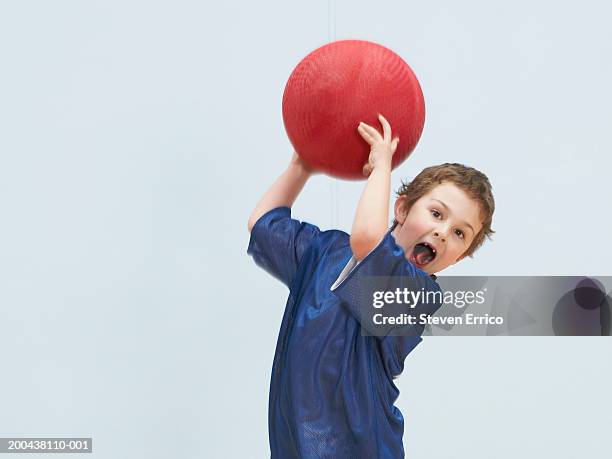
(423, 254)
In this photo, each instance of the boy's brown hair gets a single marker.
(473, 182)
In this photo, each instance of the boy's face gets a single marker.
(438, 228)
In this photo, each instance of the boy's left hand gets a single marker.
(382, 147)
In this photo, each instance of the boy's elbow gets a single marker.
(251, 223)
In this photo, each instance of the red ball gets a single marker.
(340, 84)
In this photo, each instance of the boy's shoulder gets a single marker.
(386, 259)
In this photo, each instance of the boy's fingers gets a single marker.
(394, 145)
(364, 134)
(367, 170)
(386, 128)
(370, 130)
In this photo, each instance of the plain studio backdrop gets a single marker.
(135, 139)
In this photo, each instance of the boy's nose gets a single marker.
(437, 234)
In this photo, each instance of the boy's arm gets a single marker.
(284, 191)
(372, 215)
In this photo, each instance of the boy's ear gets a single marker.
(400, 209)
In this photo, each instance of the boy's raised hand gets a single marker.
(372, 215)
(382, 147)
(284, 190)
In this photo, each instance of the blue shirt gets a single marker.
(332, 390)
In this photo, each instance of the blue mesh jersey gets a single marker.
(332, 390)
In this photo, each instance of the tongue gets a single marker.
(422, 254)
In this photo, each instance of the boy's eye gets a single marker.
(459, 233)
(435, 213)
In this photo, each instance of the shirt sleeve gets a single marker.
(278, 243)
(411, 292)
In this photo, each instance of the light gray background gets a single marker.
(135, 138)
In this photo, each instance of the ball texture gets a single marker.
(340, 84)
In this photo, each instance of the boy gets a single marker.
(332, 391)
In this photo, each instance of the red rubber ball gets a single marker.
(340, 84)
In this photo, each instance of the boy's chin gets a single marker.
(433, 268)
(437, 269)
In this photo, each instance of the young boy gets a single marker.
(332, 390)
